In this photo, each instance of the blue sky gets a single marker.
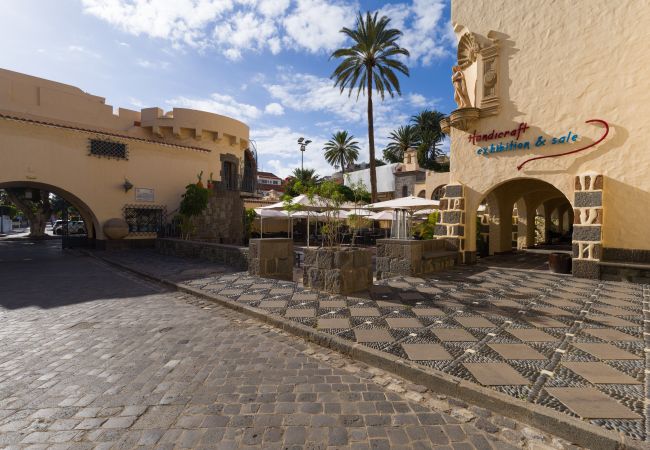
(265, 62)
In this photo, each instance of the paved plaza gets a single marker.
(573, 345)
(95, 357)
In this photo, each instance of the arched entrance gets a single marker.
(523, 214)
(87, 216)
(438, 192)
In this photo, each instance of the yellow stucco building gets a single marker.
(552, 105)
(128, 165)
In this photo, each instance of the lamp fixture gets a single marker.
(127, 185)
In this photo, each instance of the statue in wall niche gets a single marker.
(461, 97)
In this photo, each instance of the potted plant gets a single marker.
(333, 267)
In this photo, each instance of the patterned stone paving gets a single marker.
(96, 358)
(577, 346)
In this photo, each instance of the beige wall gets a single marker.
(561, 63)
(58, 157)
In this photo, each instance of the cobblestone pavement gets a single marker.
(576, 346)
(93, 357)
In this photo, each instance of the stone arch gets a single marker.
(527, 195)
(87, 214)
(438, 192)
(422, 194)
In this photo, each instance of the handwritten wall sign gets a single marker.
(602, 138)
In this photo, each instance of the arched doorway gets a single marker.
(523, 214)
(438, 192)
(90, 222)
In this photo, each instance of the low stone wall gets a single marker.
(271, 258)
(406, 257)
(228, 255)
(338, 270)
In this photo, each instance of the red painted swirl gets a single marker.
(573, 151)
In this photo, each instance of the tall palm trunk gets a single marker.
(371, 140)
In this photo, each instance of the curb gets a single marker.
(581, 433)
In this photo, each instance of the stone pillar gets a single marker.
(271, 258)
(587, 226)
(548, 222)
(525, 224)
(452, 223)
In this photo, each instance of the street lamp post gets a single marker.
(303, 143)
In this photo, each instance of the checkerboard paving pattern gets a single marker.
(577, 346)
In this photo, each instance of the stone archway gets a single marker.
(531, 198)
(88, 216)
(438, 193)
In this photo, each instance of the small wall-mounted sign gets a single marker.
(144, 195)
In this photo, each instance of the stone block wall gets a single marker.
(222, 221)
(404, 257)
(338, 270)
(271, 258)
(452, 221)
(229, 255)
(587, 226)
(407, 179)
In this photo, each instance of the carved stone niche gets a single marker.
(475, 80)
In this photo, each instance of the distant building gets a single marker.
(385, 180)
(267, 181)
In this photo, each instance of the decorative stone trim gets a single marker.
(489, 78)
(587, 229)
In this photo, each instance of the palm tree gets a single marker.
(403, 138)
(370, 59)
(300, 181)
(341, 150)
(427, 127)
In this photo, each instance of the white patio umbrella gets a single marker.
(402, 206)
(269, 214)
(425, 212)
(382, 215)
(306, 204)
(410, 203)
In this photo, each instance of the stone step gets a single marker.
(624, 271)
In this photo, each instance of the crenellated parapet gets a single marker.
(182, 123)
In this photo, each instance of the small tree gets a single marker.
(249, 220)
(35, 204)
(360, 196)
(195, 200)
(331, 200)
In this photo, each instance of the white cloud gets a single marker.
(277, 147)
(310, 93)
(426, 35)
(78, 49)
(181, 21)
(136, 102)
(315, 24)
(233, 27)
(274, 109)
(418, 100)
(222, 104)
(226, 105)
(152, 64)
